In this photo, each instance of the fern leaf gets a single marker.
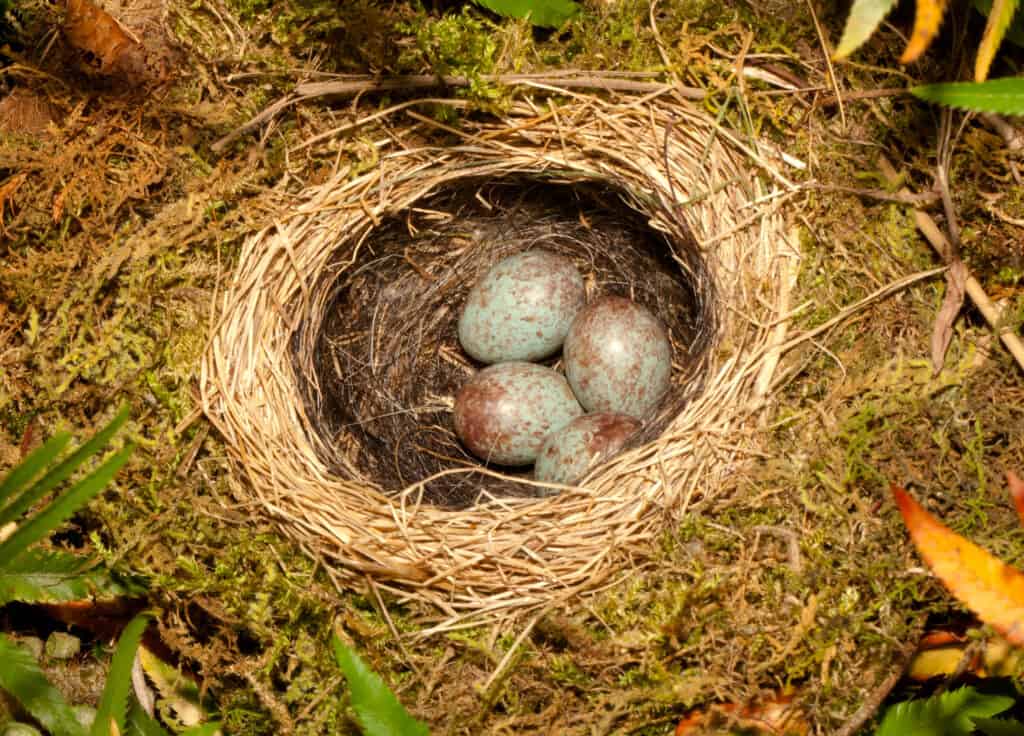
(998, 727)
(62, 507)
(546, 13)
(31, 466)
(113, 706)
(21, 677)
(927, 20)
(377, 709)
(865, 16)
(947, 714)
(54, 576)
(999, 18)
(63, 471)
(1003, 96)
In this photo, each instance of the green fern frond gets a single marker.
(21, 677)
(54, 576)
(947, 714)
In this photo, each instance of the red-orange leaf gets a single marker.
(1017, 492)
(993, 590)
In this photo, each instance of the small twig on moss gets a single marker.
(828, 64)
(915, 198)
(609, 81)
(877, 696)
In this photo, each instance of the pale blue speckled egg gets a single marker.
(522, 308)
(618, 357)
(504, 412)
(585, 442)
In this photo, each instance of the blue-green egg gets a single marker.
(504, 412)
(569, 453)
(618, 357)
(522, 308)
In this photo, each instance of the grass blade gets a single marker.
(21, 677)
(113, 707)
(31, 466)
(999, 18)
(1003, 96)
(63, 507)
(63, 471)
(377, 709)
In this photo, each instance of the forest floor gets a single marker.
(124, 201)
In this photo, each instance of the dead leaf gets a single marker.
(7, 192)
(1016, 493)
(94, 31)
(942, 331)
(941, 654)
(927, 20)
(780, 715)
(988, 587)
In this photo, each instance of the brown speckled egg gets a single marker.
(569, 453)
(522, 308)
(618, 357)
(504, 413)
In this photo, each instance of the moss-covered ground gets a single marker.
(119, 223)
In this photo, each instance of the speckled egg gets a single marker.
(618, 357)
(522, 308)
(504, 413)
(583, 443)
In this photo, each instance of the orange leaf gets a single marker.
(1017, 492)
(993, 590)
(927, 20)
(93, 30)
(779, 715)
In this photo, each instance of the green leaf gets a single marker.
(995, 30)
(203, 729)
(113, 705)
(63, 471)
(21, 677)
(865, 16)
(947, 714)
(1004, 96)
(140, 723)
(377, 709)
(1015, 33)
(62, 508)
(998, 727)
(547, 13)
(54, 576)
(31, 466)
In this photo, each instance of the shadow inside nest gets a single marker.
(380, 381)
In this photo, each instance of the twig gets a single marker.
(828, 63)
(902, 197)
(871, 704)
(369, 83)
(865, 94)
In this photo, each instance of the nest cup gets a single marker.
(335, 361)
(379, 363)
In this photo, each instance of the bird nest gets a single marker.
(332, 370)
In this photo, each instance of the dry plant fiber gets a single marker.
(654, 200)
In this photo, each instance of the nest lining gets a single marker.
(380, 365)
(682, 175)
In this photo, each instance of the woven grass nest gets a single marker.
(333, 366)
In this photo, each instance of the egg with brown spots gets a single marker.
(585, 442)
(522, 308)
(618, 357)
(504, 412)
